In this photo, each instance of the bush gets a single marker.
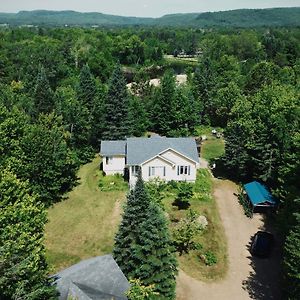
(156, 189)
(185, 193)
(243, 200)
(185, 233)
(210, 258)
(112, 183)
(138, 291)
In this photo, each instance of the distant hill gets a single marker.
(234, 18)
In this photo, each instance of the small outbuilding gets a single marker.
(98, 278)
(259, 197)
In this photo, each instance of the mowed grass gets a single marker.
(212, 148)
(212, 238)
(84, 224)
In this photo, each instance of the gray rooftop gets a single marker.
(98, 278)
(110, 148)
(140, 150)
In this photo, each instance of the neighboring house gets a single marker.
(167, 158)
(98, 278)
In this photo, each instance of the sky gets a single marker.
(141, 8)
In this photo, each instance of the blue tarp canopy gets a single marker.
(258, 194)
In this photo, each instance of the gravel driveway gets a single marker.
(247, 277)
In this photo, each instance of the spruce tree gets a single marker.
(155, 260)
(23, 268)
(87, 90)
(116, 124)
(143, 246)
(43, 95)
(135, 213)
(162, 113)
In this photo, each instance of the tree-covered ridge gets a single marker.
(272, 17)
(64, 90)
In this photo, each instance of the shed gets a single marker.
(259, 196)
(98, 278)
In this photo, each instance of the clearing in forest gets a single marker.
(84, 224)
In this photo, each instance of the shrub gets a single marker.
(138, 291)
(243, 200)
(156, 188)
(185, 233)
(185, 193)
(112, 183)
(210, 258)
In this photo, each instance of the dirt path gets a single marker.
(248, 277)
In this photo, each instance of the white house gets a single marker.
(167, 158)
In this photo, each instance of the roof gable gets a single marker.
(140, 150)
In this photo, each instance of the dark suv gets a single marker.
(262, 244)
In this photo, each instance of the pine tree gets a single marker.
(137, 117)
(43, 95)
(87, 90)
(23, 268)
(163, 108)
(135, 213)
(155, 260)
(116, 124)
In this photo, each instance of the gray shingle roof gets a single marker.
(140, 150)
(110, 148)
(98, 278)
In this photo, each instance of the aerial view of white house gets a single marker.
(166, 158)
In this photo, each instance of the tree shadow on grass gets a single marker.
(264, 281)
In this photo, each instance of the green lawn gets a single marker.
(212, 238)
(213, 147)
(84, 224)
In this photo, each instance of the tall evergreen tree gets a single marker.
(135, 213)
(137, 117)
(23, 268)
(154, 255)
(204, 84)
(116, 124)
(143, 246)
(87, 90)
(163, 108)
(43, 95)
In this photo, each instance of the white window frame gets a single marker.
(183, 170)
(135, 170)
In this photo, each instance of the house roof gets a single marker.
(258, 193)
(98, 278)
(140, 150)
(110, 148)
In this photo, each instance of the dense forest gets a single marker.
(236, 18)
(63, 90)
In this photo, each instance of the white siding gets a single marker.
(115, 165)
(171, 171)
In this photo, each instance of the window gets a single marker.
(183, 170)
(108, 159)
(135, 170)
(151, 171)
(159, 171)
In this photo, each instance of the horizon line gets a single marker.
(132, 16)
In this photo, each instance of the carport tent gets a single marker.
(259, 195)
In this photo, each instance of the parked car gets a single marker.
(262, 244)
